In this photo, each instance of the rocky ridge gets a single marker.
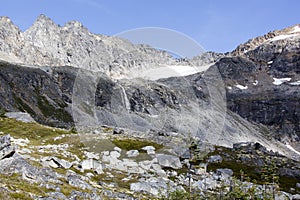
(74, 45)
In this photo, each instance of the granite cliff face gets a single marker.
(269, 76)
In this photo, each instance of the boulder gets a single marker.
(154, 186)
(91, 164)
(150, 149)
(169, 161)
(224, 172)
(132, 153)
(296, 197)
(20, 116)
(6, 149)
(118, 131)
(55, 162)
(214, 159)
(118, 149)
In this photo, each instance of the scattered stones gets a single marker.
(20, 141)
(169, 161)
(153, 186)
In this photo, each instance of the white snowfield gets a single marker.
(282, 37)
(295, 83)
(291, 148)
(294, 33)
(279, 81)
(296, 29)
(167, 71)
(241, 87)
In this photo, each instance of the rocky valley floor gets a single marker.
(39, 162)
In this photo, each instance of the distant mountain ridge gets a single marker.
(48, 44)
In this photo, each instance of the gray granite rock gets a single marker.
(168, 161)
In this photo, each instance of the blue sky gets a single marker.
(217, 25)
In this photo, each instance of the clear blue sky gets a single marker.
(218, 25)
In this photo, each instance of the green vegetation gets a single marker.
(23, 106)
(2, 112)
(33, 131)
(21, 189)
(265, 175)
(49, 110)
(130, 144)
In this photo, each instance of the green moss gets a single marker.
(130, 144)
(19, 196)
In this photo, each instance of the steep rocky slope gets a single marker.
(263, 84)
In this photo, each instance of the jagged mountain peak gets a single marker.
(251, 44)
(5, 19)
(7, 23)
(74, 23)
(43, 21)
(46, 43)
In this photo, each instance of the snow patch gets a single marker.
(230, 88)
(241, 87)
(282, 37)
(279, 81)
(166, 71)
(270, 62)
(255, 82)
(291, 148)
(296, 29)
(295, 83)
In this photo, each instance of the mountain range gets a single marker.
(68, 77)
